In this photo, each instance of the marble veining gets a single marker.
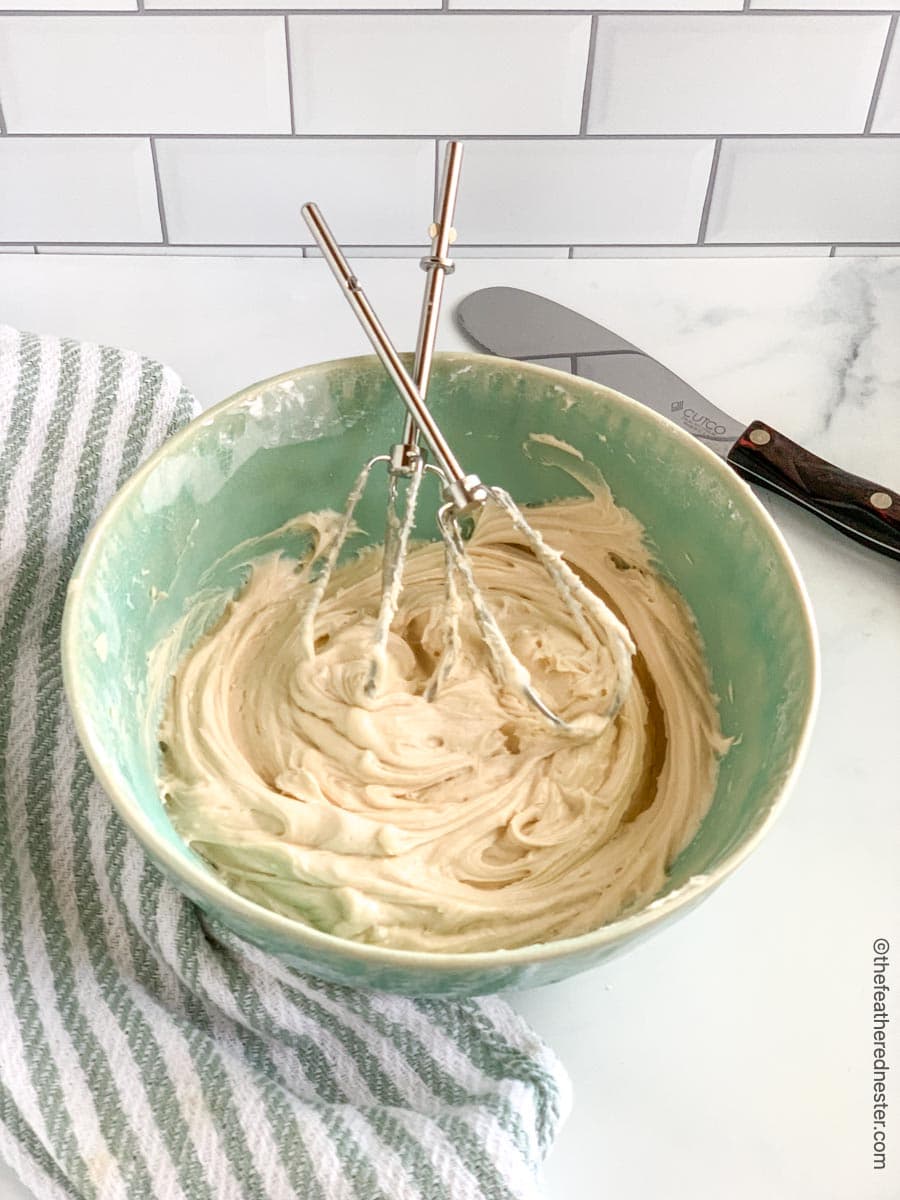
(853, 381)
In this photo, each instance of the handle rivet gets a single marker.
(760, 437)
(881, 500)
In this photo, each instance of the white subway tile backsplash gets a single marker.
(233, 191)
(81, 189)
(593, 128)
(142, 75)
(887, 114)
(438, 74)
(584, 191)
(807, 190)
(746, 74)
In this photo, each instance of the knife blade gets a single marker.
(521, 325)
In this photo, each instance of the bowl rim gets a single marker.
(305, 937)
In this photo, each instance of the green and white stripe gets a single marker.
(146, 1054)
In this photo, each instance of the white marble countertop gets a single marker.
(731, 1056)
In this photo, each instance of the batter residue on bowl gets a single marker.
(464, 824)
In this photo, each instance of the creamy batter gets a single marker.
(462, 824)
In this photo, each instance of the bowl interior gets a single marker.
(296, 443)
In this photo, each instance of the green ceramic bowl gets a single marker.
(295, 443)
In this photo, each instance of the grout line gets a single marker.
(746, 7)
(820, 12)
(571, 253)
(436, 12)
(588, 76)
(243, 247)
(290, 70)
(832, 252)
(468, 137)
(879, 78)
(159, 195)
(467, 245)
(3, 130)
(710, 186)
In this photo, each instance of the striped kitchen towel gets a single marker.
(141, 1056)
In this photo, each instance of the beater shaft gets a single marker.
(465, 491)
(437, 266)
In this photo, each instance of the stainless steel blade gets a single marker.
(522, 325)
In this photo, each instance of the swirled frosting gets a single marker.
(465, 823)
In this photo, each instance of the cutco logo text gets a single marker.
(697, 422)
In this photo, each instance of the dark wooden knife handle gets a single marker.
(865, 511)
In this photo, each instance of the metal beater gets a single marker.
(405, 459)
(463, 495)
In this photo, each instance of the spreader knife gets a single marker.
(531, 328)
